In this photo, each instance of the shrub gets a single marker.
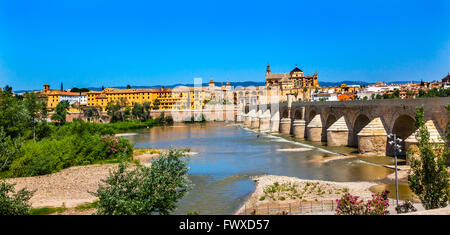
(378, 205)
(351, 205)
(144, 190)
(52, 155)
(12, 203)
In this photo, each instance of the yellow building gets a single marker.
(161, 98)
(56, 96)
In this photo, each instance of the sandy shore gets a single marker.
(310, 190)
(69, 186)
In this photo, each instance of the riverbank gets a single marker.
(70, 187)
(282, 190)
(282, 193)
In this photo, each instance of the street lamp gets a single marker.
(397, 148)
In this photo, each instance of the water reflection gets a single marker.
(228, 155)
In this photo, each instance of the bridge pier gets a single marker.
(372, 139)
(239, 118)
(264, 124)
(314, 129)
(254, 123)
(299, 127)
(285, 126)
(338, 133)
(247, 121)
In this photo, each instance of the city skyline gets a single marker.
(109, 44)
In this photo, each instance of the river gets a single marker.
(229, 155)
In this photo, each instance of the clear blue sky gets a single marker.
(114, 43)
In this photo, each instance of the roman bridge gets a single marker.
(364, 124)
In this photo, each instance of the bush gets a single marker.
(12, 203)
(144, 190)
(54, 154)
(350, 205)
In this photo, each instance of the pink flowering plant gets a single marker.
(351, 205)
(115, 146)
(378, 205)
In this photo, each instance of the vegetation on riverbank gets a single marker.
(31, 146)
(429, 178)
(144, 190)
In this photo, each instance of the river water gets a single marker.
(229, 155)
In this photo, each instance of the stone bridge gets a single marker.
(364, 124)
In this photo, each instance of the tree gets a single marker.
(13, 114)
(36, 110)
(128, 87)
(137, 111)
(61, 112)
(146, 106)
(428, 178)
(395, 94)
(144, 190)
(7, 89)
(126, 113)
(10, 149)
(79, 90)
(12, 203)
(156, 104)
(113, 110)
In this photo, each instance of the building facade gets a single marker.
(294, 83)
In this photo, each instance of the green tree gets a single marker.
(12, 203)
(156, 104)
(113, 110)
(126, 113)
(429, 177)
(144, 190)
(395, 94)
(79, 90)
(137, 111)
(128, 87)
(13, 114)
(60, 112)
(10, 149)
(146, 106)
(37, 111)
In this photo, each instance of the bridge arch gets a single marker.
(360, 122)
(311, 114)
(403, 127)
(285, 113)
(298, 114)
(328, 122)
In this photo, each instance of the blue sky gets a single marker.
(115, 43)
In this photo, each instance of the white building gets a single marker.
(80, 98)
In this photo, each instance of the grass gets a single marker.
(133, 124)
(88, 205)
(47, 210)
